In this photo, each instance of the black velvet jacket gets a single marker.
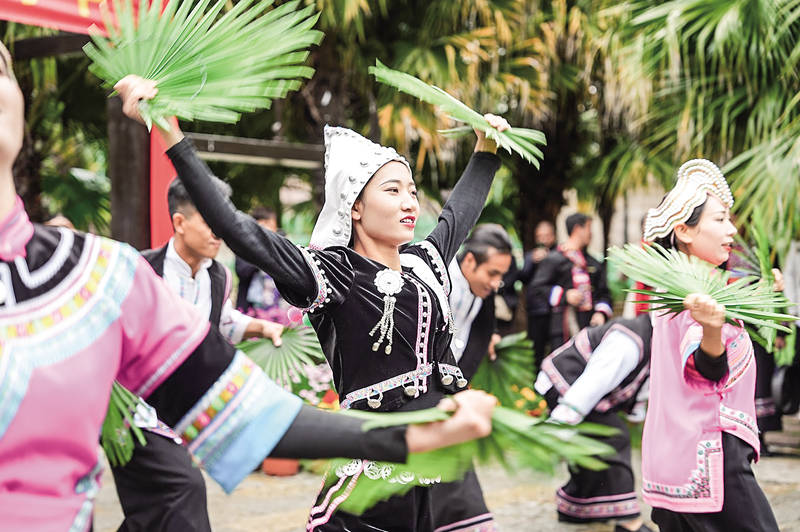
(337, 287)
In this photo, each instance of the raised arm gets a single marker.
(464, 206)
(269, 251)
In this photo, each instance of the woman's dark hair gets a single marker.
(668, 242)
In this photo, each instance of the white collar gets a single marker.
(181, 266)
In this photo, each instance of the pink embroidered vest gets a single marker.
(682, 441)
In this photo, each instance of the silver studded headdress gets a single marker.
(696, 180)
(350, 161)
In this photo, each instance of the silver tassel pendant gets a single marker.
(385, 325)
(389, 283)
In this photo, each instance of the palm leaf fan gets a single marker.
(118, 431)
(284, 364)
(516, 441)
(674, 275)
(207, 65)
(515, 140)
(758, 259)
(512, 367)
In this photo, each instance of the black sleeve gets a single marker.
(600, 290)
(319, 434)
(528, 269)
(546, 278)
(465, 204)
(269, 251)
(712, 368)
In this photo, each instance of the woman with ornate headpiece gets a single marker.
(380, 310)
(700, 434)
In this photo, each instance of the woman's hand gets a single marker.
(133, 89)
(777, 284)
(472, 418)
(484, 144)
(711, 316)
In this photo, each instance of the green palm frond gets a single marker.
(118, 430)
(517, 441)
(515, 140)
(674, 275)
(759, 259)
(284, 364)
(208, 65)
(513, 366)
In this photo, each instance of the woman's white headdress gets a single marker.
(350, 161)
(696, 180)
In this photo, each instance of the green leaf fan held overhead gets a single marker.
(515, 140)
(208, 63)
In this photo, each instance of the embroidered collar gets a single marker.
(15, 232)
(181, 265)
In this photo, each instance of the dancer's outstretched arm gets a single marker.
(464, 206)
(269, 251)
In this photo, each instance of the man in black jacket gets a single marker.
(574, 283)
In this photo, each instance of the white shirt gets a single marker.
(197, 291)
(464, 305)
(609, 364)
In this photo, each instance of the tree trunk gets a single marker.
(129, 170)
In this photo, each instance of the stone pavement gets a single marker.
(522, 502)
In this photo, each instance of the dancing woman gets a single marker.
(380, 311)
(700, 434)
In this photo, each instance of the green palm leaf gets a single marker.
(284, 364)
(674, 275)
(513, 366)
(515, 140)
(118, 431)
(207, 65)
(516, 441)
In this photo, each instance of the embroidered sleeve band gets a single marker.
(237, 422)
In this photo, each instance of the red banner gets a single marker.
(68, 15)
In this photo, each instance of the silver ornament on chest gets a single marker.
(389, 283)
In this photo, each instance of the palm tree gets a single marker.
(725, 83)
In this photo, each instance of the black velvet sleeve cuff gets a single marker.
(318, 434)
(712, 368)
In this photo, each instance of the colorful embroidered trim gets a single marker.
(389, 384)
(438, 264)
(323, 290)
(86, 303)
(699, 486)
(740, 357)
(739, 418)
(601, 508)
(423, 329)
(240, 394)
